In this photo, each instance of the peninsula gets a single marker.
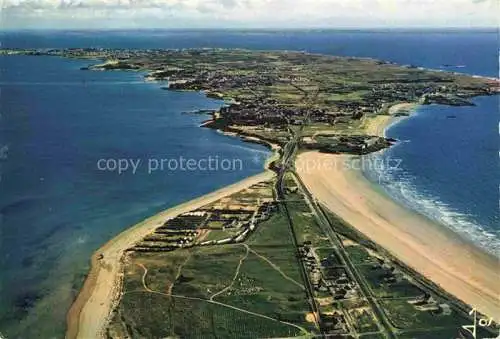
(307, 248)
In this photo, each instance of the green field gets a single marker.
(262, 289)
(222, 291)
(363, 320)
(215, 235)
(382, 289)
(328, 257)
(307, 229)
(372, 336)
(360, 256)
(146, 315)
(208, 270)
(404, 316)
(272, 232)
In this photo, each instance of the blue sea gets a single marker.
(57, 122)
(445, 166)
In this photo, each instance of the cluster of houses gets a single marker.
(243, 227)
(325, 277)
(184, 230)
(427, 303)
(351, 144)
(334, 323)
(179, 232)
(261, 113)
(215, 80)
(268, 113)
(203, 70)
(424, 302)
(265, 111)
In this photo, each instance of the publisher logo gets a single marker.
(478, 323)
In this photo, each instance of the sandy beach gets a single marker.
(91, 310)
(377, 125)
(437, 253)
(431, 249)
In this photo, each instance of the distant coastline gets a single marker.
(100, 293)
(418, 47)
(93, 317)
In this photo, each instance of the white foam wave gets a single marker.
(401, 186)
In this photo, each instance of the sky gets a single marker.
(113, 14)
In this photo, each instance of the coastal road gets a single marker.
(289, 153)
(327, 228)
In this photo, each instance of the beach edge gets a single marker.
(138, 231)
(378, 126)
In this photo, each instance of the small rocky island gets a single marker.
(267, 93)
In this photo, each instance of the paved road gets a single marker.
(289, 152)
(327, 228)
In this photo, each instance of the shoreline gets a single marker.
(381, 126)
(91, 310)
(440, 255)
(378, 125)
(454, 263)
(102, 265)
(103, 282)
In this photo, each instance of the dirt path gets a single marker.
(178, 274)
(90, 313)
(242, 259)
(149, 290)
(277, 268)
(144, 278)
(236, 274)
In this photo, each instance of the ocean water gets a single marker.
(445, 166)
(57, 122)
(57, 206)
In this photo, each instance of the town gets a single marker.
(267, 92)
(271, 260)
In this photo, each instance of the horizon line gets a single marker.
(374, 28)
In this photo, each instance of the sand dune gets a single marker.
(433, 250)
